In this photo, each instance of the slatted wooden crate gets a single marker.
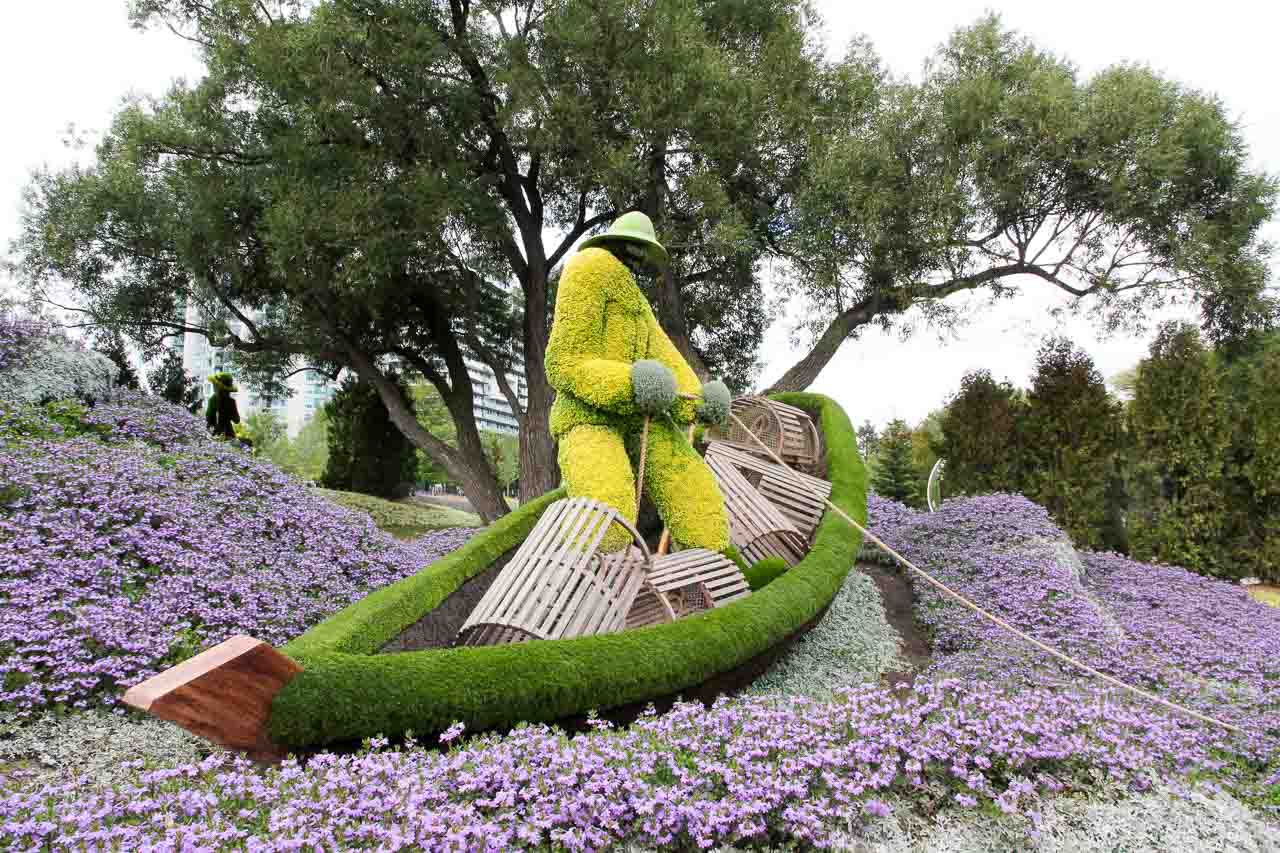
(558, 585)
(800, 497)
(787, 431)
(756, 527)
(691, 581)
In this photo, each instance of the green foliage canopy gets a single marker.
(980, 439)
(367, 453)
(1072, 433)
(169, 380)
(1181, 440)
(1002, 169)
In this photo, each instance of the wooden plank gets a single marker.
(222, 694)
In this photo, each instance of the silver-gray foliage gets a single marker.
(1105, 821)
(852, 643)
(654, 386)
(58, 369)
(95, 744)
(716, 402)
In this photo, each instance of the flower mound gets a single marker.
(1196, 641)
(122, 555)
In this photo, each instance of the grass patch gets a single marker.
(1266, 593)
(405, 519)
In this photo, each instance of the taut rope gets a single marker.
(991, 617)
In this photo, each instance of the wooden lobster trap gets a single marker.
(559, 585)
(756, 527)
(690, 581)
(800, 497)
(787, 431)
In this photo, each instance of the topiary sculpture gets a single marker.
(612, 366)
(222, 414)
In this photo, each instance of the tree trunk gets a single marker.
(881, 302)
(806, 370)
(468, 464)
(539, 468)
(671, 316)
(670, 300)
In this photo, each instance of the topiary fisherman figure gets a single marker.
(221, 414)
(611, 365)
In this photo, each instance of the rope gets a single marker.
(991, 617)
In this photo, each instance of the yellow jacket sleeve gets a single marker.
(575, 359)
(662, 350)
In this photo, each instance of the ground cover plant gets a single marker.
(404, 519)
(130, 540)
(1198, 641)
(1266, 594)
(990, 729)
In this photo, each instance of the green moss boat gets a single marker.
(349, 678)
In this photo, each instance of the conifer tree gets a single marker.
(1071, 434)
(980, 438)
(896, 474)
(1181, 440)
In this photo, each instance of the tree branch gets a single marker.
(581, 227)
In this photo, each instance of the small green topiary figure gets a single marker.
(221, 414)
(611, 365)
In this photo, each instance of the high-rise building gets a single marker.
(493, 412)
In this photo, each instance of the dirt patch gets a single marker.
(899, 611)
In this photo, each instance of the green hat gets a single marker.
(633, 227)
(224, 381)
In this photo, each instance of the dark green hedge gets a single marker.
(347, 692)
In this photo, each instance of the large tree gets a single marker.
(1181, 440)
(169, 380)
(359, 167)
(1003, 169)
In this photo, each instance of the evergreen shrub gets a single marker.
(367, 452)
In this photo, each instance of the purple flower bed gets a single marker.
(1194, 640)
(743, 771)
(121, 556)
(18, 333)
(992, 724)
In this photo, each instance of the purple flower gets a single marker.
(877, 808)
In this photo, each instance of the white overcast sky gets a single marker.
(69, 62)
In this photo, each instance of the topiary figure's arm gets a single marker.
(663, 351)
(575, 359)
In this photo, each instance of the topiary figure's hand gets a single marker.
(714, 408)
(653, 385)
